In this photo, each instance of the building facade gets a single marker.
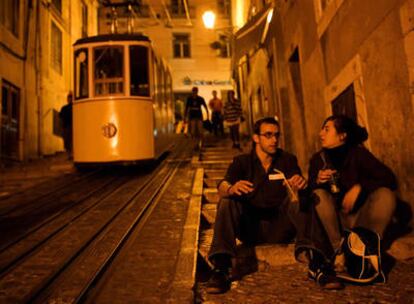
(36, 71)
(197, 56)
(321, 57)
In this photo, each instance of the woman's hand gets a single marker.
(324, 175)
(350, 198)
(241, 187)
(297, 182)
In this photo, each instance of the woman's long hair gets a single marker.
(355, 134)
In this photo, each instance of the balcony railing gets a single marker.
(141, 11)
(178, 11)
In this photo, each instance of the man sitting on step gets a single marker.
(259, 201)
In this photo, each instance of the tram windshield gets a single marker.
(81, 74)
(109, 70)
(138, 58)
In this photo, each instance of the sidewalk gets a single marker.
(18, 176)
(277, 276)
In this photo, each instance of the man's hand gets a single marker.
(324, 176)
(350, 198)
(241, 187)
(297, 182)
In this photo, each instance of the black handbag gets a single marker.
(207, 125)
(362, 249)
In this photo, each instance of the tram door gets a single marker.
(9, 121)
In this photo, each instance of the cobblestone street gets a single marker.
(289, 284)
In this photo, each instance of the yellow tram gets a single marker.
(123, 107)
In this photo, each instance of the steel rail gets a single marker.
(75, 283)
(134, 229)
(44, 277)
(38, 235)
(41, 210)
(15, 200)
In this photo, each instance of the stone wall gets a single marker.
(320, 53)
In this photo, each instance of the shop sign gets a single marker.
(200, 82)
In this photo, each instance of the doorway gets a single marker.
(9, 124)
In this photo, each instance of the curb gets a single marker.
(185, 272)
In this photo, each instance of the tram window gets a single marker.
(138, 58)
(81, 74)
(109, 64)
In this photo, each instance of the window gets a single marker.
(178, 8)
(345, 103)
(56, 48)
(84, 8)
(224, 7)
(323, 4)
(9, 15)
(138, 58)
(57, 4)
(109, 73)
(81, 74)
(181, 45)
(225, 47)
(325, 10)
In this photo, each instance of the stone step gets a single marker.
(211, 182)
(271, 254)
(214, 173)
(204, 244)
(211, 197)
(219, 152)
(218, 158)
(210, 164)
(209, 212)
(402, 248)
(210, 190)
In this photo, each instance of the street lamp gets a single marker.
(226, 34)
(209, 19)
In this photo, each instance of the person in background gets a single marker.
(65, 115)
(216, 107)
(232, 117)
(194, 116)
(352, 187)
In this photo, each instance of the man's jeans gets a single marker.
(374, 214)
(252, 225)
(196, 128)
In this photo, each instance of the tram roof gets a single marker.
(112, 37)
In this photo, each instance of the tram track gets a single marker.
(77, 244)
(95, 264)
(35, 237)
(39, 213)
(42, 192)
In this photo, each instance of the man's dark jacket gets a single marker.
(267, 192)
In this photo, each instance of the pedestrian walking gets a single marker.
(232, 117)
(194, 116)
(65, 115)
(216, 107)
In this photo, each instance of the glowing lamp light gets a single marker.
(269, 16)
(209, 18)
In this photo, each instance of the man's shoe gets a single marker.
(339, 263)
(326, 279)
(219, 282)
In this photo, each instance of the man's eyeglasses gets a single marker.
(269, 135)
